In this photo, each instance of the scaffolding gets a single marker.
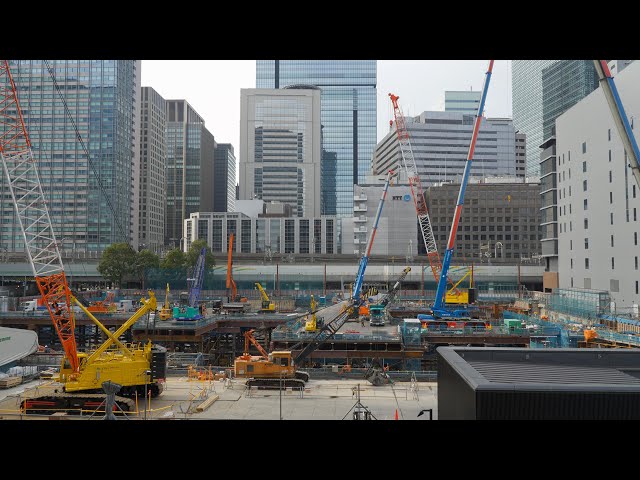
(582, 302)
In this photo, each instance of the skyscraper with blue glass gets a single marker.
(103, 98)
(348, 117)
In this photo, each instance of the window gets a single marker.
(561, 228)
(635, 238)
(572, 263)
(570, 226)
(634, 191)
(609, 136)
(584, 166)
(586, 224)
(569, 208)
(586, 244)
(584, 185)
(609, 155)
(636, 263)
(636, 287)
(612, 240)
(584, 147)
(613, 263)
(635, 215)
(610, 176)
(569, 185)
(585, 203)
(611, 218)
(563, 176)
(570, 244)
(586, 264)
(572, 282)
(610, 197)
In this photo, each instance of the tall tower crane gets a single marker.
(417, 192)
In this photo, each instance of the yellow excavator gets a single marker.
(267, 305)
(166, 312)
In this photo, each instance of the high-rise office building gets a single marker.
(598, 197)
(92, 203)
(526, 90)
(348, 105)
(500, 220)
(224, 178)
(440, 144)
(564, 84)
(190, 158)
(462, 101)
(280, 147)
(549, 212)
(153, 155)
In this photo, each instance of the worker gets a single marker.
(362, 320)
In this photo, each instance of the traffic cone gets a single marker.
(396, 418)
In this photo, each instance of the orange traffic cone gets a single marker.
(396, 418)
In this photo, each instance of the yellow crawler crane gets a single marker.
(267, 305)
(311, 324)
(136, 367)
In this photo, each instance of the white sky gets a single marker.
(212, 87)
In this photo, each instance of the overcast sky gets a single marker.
(212, 87)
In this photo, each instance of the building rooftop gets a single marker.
(566, 369)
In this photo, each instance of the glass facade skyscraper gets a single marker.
(348, 117)
(224, 178)
(103, 98)
(153, 156)
(564, 84)
(190, 157)
(526, 88)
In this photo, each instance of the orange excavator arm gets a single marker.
(249, 338)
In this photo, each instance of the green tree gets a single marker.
(117, 261)
(145, 259)
(194, 253)
(173, 259)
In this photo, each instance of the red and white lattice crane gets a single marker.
(19, 167)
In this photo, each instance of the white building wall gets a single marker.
(588, 123)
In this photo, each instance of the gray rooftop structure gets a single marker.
(531, 384)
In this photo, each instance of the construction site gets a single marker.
(362, 349)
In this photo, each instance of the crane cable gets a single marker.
(84, 148)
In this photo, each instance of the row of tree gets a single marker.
(121, 262)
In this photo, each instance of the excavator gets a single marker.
(166, 312)
(135, 368)
(230, 282)
(104, 306)
(268, 370)
(267, 305)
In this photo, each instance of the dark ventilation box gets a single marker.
(158, 362)
(538, 384)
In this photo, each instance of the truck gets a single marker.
(36, 305)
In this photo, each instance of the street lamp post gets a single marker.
(280, 394)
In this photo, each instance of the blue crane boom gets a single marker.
(619, 116)
(357, 285)
(197, 279)
(438, 305)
